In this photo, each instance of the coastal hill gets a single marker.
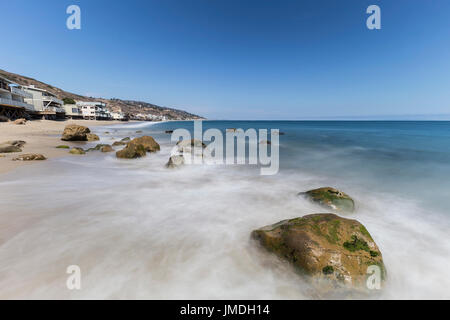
(129, 107)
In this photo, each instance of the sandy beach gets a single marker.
(41, 136)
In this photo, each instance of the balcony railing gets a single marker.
(21, 93)
(15, 103)
(53, 99)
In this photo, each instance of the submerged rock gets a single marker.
(331, 198)
(77, 151)
(92, 137)
(17, 143)
(325, 247)
(175, 162)
(30, 157)
(62, 147)
(73, 132)
(119, 143)
(12, 146)
(169, 131)
(131, 151)
(97, 147)
(9, 148)
(149, 144)
(106, 148)
(125, 139)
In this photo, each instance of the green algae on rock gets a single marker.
(331, 198)
(77, 151)
(325, 247)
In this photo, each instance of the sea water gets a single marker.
(139, 230)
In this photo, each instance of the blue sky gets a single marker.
(247, 59)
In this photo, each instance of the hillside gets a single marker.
(129, 107)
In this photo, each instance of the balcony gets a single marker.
(52, 99)
(21, 93)
(18, 104)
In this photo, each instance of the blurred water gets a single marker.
(139, 230)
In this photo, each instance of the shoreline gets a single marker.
(41, 136)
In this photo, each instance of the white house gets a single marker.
(120, 116)
(94, 110)
(73, 111)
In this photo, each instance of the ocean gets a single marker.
(138, 230)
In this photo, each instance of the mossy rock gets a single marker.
(149, 144)
(62, 147)
(132, 151)
(119, 143)
(325, 247)
(97, 147)
(77, 151)
(331, 198)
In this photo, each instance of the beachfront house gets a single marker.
(73, 111)
(119, 116)
(94, 110)
(12, 100)
(45, 103)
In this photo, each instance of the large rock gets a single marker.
(131, 151)
(149, 144)
(175, 161)
(331, 198)
(92, 137)
(326, 247)
(30, 157)
(73, 132)
(4, 119)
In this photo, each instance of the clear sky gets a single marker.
(240, 59)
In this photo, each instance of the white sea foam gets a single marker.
(138, 230)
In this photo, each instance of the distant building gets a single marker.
(45, 103)
(73, 111)
(120, 116)
(12, 100)
(94, 110)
